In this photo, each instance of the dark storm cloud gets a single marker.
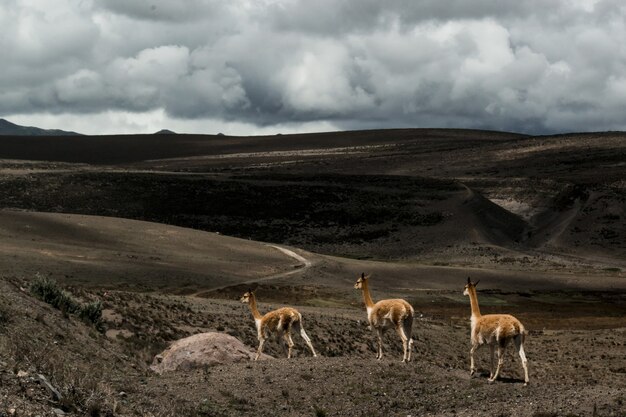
(341, 16)
(163, 10)
(530, 66)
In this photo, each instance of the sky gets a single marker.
(249, 67)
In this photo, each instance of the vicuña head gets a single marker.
(280, 322)
(386, 314)
(245, 298)
(470, 284)
(359, 282)
(495, 330)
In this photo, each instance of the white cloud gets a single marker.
(321, 80)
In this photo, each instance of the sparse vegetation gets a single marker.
(50, 292)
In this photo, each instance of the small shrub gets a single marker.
(91, 313)
(50, 292)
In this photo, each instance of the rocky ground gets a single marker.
(573, 371)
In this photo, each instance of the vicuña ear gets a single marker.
(469, 281)
(476, 283)
(362, 274)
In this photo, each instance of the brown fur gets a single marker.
(280, 322)
(495, 330)
(396, 313)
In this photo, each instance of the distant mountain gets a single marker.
(164, 132)
(11, 129)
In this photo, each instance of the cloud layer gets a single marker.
(532, 66)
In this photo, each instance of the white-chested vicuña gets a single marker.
(280, 322)
(385, 314)
(496, 330)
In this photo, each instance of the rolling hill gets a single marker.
(11, 129)
(393, 194)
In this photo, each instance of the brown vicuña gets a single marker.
(494, 330)
(384, 314)
(281, 322)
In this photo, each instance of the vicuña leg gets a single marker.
(519, 345)
(289, 341)
(306, 338)
(405, 342)
(472, 367)
(282, 341)
(379, 333)
(408, 331)
(491, 353)
(501, 348)
(260, 349)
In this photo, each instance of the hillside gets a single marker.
(11, 129)
(113, 253)
(77, 361)
(397, 194)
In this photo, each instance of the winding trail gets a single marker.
(305, 264)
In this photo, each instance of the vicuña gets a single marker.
(281, 322)
(496, 330)
(385, 314)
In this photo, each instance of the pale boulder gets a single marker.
(202, 350)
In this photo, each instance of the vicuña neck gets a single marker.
(253, 307)
(366, 294)
(474, 302)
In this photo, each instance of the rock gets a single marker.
(22, 374)
(202, 350)
(56, 395)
